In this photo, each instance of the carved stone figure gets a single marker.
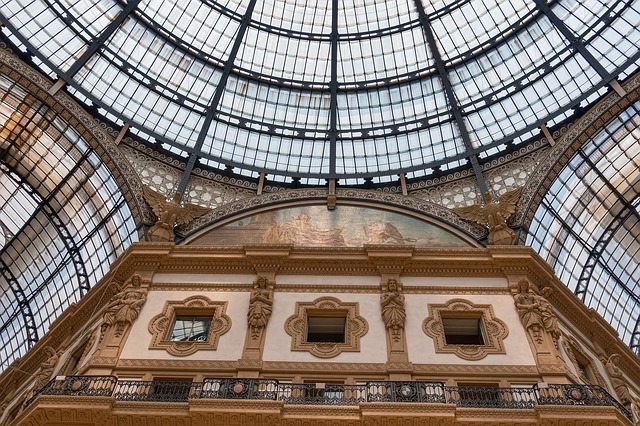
(529, 310)
(393, 314)
(123, 308)
(170, 213)
(260, 306)
(46, 370)
(617, 380)
(549, 319)
(494, 215)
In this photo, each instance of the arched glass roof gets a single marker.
(588, 224)
(336, 89)
(305, 91)
(63, 218)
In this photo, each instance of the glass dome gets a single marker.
(304, 91)
(340, 89)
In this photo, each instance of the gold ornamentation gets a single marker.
(169, 213)
(355, 327)
(494, 215)
(162, 324)
(495, 329)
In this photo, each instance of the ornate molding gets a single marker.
(495, 330)
(161, 325)
(355, 327)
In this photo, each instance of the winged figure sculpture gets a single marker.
(170, 213)
(494, 215)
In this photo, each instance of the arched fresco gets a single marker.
(345, 226)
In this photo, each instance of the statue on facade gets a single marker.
(528, 307)
(549, 319)
(260, 306)
(124, 307)
(392, 303)
(46, 368)
(170, 213)
(617, 380)
(494, 216)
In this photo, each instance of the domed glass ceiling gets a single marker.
(331, 89)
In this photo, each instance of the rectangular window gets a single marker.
(463, 331)
(189, 328)
(326, 328)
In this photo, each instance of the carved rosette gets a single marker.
(356, 327)
(162, 324)
(495, 330)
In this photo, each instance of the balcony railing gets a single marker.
(331, 394)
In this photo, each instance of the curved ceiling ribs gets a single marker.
(213, 107)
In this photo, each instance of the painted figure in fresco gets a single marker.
(529, 309)
(617, 379)
(300, 231)
(260, 306)
(393, 314)
(124, 307)
(387, 233)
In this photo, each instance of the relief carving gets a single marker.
(170, 213)
(618, 381)
(530, 311)
(260, 306)
(494, 215)
(124, 308)
(393, 313)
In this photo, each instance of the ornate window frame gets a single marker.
(577, 355)
(495, 330)
(355, 327)
(161, 325)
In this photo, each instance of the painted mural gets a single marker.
(315, 226)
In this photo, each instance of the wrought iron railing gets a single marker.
(233, 388)
(331, 394)
(157, 390)
(321, 394)
(78, 386)
(490, 397)
(550, 394)
(406, 392)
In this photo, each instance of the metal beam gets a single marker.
(217, 95)
(23, 304)
(575, 42)
(99, 42)
(453, 102)
(45, 207)
(333, 111)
